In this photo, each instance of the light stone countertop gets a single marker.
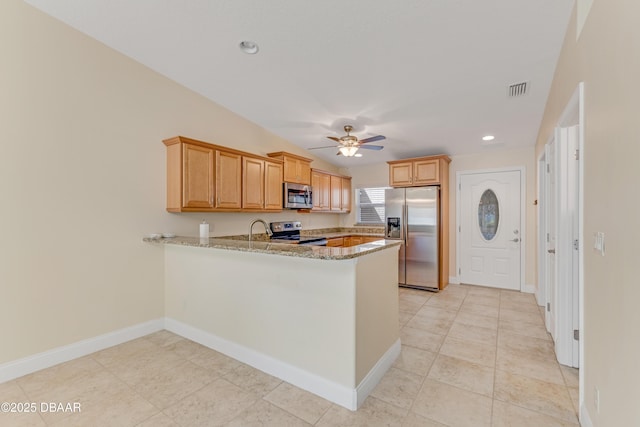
(283, 249)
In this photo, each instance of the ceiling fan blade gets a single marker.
(326, 146)
(371, 147)
(334, 138)
(372, 139)
(338, 154)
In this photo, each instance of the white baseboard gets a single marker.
(336, 393)
(376, 373)
(454, 280)
(585, 419)
(36, 362)
(528, 288)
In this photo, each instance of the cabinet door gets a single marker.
(228, 180)
(252, 183)
(320, 182)
(273, 186)
(325, 190)
(290, 169)
(316, 185)
(304, 172)
(197, 178)
(370, 239)
(335, 184)
(426, 172)
(335, 242)
(297, 170)
(345, 204)
(401, 174)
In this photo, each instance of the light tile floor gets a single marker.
(471, 356)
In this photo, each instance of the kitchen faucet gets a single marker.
(266, 227)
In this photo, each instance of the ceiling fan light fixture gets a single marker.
(488, 138)
(348, 151)
(249, 47)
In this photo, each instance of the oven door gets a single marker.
(297, 196)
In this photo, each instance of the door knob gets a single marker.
(515, 240)
(551, 251)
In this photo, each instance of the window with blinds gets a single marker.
(370, 205)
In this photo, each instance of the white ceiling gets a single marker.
(430, 75)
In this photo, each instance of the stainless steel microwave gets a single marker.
(297, 196)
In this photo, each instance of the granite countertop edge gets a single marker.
(283, 249)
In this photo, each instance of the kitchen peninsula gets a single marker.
(322, 318)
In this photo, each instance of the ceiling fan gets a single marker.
(348, 145)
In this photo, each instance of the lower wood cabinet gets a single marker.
(335, 242)
(347, 241)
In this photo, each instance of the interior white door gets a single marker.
(490, 235)
(551, 221)
(567, 247)
(574, 190)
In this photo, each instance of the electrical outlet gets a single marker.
(596, 399)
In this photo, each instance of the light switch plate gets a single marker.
(598, 243)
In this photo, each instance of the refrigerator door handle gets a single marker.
(405, 219)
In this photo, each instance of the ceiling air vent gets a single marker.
(518, 89)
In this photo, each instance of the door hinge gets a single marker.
(459, 186)
(459, 228)
(548, 168)
(576, 245)
(576, 334)
(576, 154)
(547, 237)
(548, 306)
(459, 271)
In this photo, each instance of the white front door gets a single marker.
(490, 234)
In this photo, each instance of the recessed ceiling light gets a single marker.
(488, 138)
(249, 47)
(358, 155)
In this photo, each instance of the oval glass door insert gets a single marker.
(488, 214)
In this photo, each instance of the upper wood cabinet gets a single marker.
(197, 177)
(321, 184)
(345, 203)
(252, 183)
(418, 171)
(273, 185)
(203, 177)
(331, 192)
(335, 202)
(228, 180)
(296, 169)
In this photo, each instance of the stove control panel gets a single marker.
(278, 227)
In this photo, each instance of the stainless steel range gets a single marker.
(289, 232)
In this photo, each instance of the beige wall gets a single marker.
(82, 180)
(378, 176)
(607, 58)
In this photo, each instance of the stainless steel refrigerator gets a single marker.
(413, 215)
